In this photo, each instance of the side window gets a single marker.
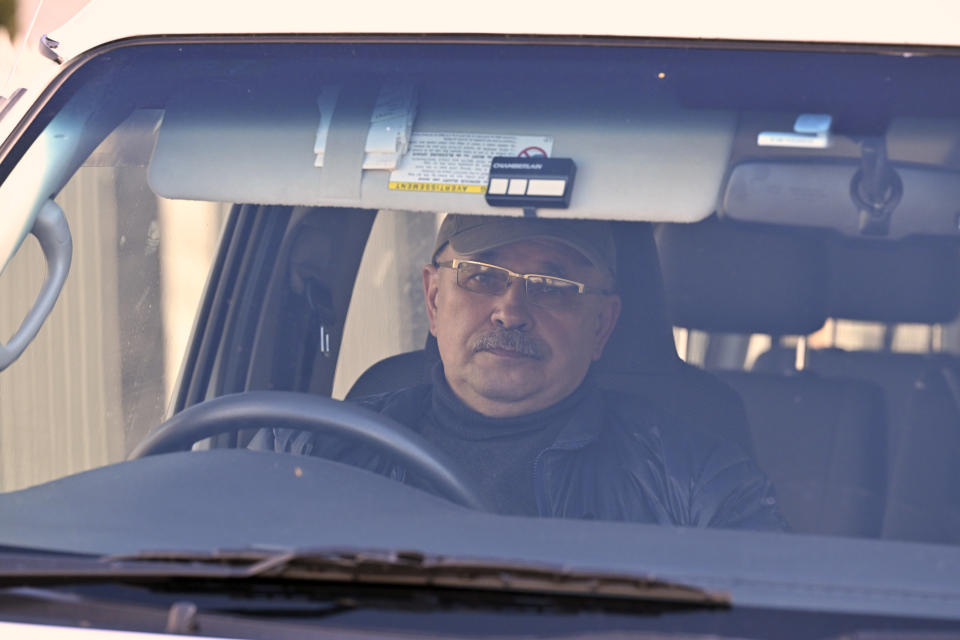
(386, 314)
(100, 372)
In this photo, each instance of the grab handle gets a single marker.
(51, 229)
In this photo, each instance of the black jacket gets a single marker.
(616, 459)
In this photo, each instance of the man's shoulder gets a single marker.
(405, 405)
(680, 444)
(633, 412)
(726, 487)
(640, 411)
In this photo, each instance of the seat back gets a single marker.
(879, 282)
(823, 443)
(924, 495)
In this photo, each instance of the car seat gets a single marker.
(909, 281)
(822, 442)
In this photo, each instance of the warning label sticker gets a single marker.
(459, 162)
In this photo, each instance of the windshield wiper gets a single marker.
(358, 568)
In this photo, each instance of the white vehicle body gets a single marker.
(896, 29)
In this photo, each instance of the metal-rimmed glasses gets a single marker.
(546, 291)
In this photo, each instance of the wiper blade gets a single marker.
(359, 567)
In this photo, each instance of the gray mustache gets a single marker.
(510, 340)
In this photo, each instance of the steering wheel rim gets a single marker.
(314, 414)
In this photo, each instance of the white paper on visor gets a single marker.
(459, 162)
(391, 126)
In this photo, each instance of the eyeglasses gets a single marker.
(544, 291)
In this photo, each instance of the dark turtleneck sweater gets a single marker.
(498, 454)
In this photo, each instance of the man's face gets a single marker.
(504, 356)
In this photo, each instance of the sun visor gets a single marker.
(912, 281)
(742, 279)
(430, 149)
(818, 180)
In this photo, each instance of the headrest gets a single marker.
(642, 341)
(911, 281)
(743, 278)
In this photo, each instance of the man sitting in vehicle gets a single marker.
(520, 308)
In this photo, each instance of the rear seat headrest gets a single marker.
(914, 280)
(743, 278)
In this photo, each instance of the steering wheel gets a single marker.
(314, 414)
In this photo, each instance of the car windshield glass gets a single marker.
(546, 303)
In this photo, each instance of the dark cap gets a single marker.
(470, 235)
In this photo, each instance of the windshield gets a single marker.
(685, 312)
